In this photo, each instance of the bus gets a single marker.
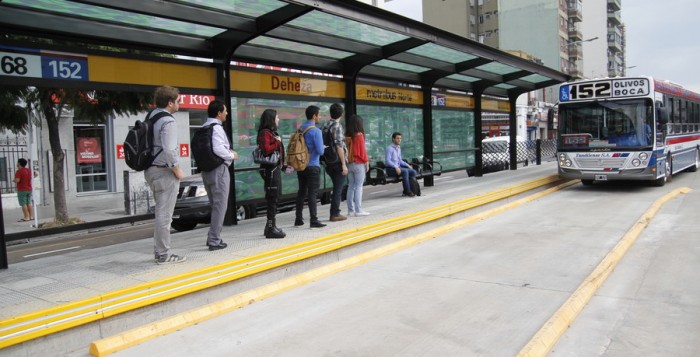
(627, 128)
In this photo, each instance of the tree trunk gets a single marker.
(59, 191)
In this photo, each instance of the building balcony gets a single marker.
(575, 34)
(575, 14)
(575, 72)
(614, 18)
(614, 46)
(615, 5)
(575, 53)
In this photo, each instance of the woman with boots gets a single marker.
(270, 142)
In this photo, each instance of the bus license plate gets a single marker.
(601, 177)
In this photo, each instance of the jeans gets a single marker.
(309, 181)
(218, 183)
(164, 185)
(356, 178)
(406, 173)
(335, 171)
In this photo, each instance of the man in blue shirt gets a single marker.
(395, 166)
(310, 178)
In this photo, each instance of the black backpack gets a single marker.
(203, 150)
(138, 144)
(330, 151)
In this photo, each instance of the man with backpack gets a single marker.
(310, 177)
(217, 180)
(336, 168)
(164, 174)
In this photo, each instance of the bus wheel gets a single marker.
(697, 162)
(587, 182)
(667, 175)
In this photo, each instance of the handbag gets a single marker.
(259, 158)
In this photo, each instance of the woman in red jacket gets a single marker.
(270, 142)
(358, 164)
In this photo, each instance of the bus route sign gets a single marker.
(609, 88)
(25, 62)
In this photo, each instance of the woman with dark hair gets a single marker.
(358, 164)
(270, 142)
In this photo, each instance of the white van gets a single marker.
(495, 155)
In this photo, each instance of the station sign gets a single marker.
(33, 63)
(609, 88)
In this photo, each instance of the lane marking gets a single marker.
(544, 340)
(51, 251)
(179, 321)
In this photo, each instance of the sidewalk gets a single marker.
(74, 276)
(98, 207)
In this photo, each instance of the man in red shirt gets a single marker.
(23, 179)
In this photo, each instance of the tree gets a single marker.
(13, 116)
(95, 106)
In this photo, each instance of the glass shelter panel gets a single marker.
(245, 113)
(382, 121)
(453, 137)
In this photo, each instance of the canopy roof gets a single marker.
(346, 38)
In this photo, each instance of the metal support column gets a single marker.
(478, 159)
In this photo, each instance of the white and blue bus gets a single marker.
(627, 128)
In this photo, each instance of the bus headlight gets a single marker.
(643, 156)
(636, 162)
(562, 157)
(567, 163)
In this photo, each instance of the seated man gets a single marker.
(395, 166)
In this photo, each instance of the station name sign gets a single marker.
(32, 63)
(609, 88)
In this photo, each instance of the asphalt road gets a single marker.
(486, 289)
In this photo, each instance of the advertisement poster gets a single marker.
(89, 151)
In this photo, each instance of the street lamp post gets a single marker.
(581, 41)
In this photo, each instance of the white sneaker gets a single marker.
(351, 214)
(361, 213)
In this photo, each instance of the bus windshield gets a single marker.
(606, 124)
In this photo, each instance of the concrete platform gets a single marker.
(58, 286)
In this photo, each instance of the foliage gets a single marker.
(13, 115)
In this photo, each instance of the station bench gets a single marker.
(377, 174)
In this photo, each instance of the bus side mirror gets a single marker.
(550, 119)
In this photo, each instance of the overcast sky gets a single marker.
(661, 37)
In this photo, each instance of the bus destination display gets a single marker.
(610, 88)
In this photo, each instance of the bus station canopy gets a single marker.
(341, 37)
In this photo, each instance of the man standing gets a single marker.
(395, 166)
(23, 180)
(310, 178)
(164, 174)
(338, 170)
(217, 182)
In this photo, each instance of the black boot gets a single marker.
(271, 231)
(279, 231)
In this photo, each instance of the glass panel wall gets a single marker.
(453, 138)
(382, 121)
(245, 113)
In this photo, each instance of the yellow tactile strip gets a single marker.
(45, 322)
